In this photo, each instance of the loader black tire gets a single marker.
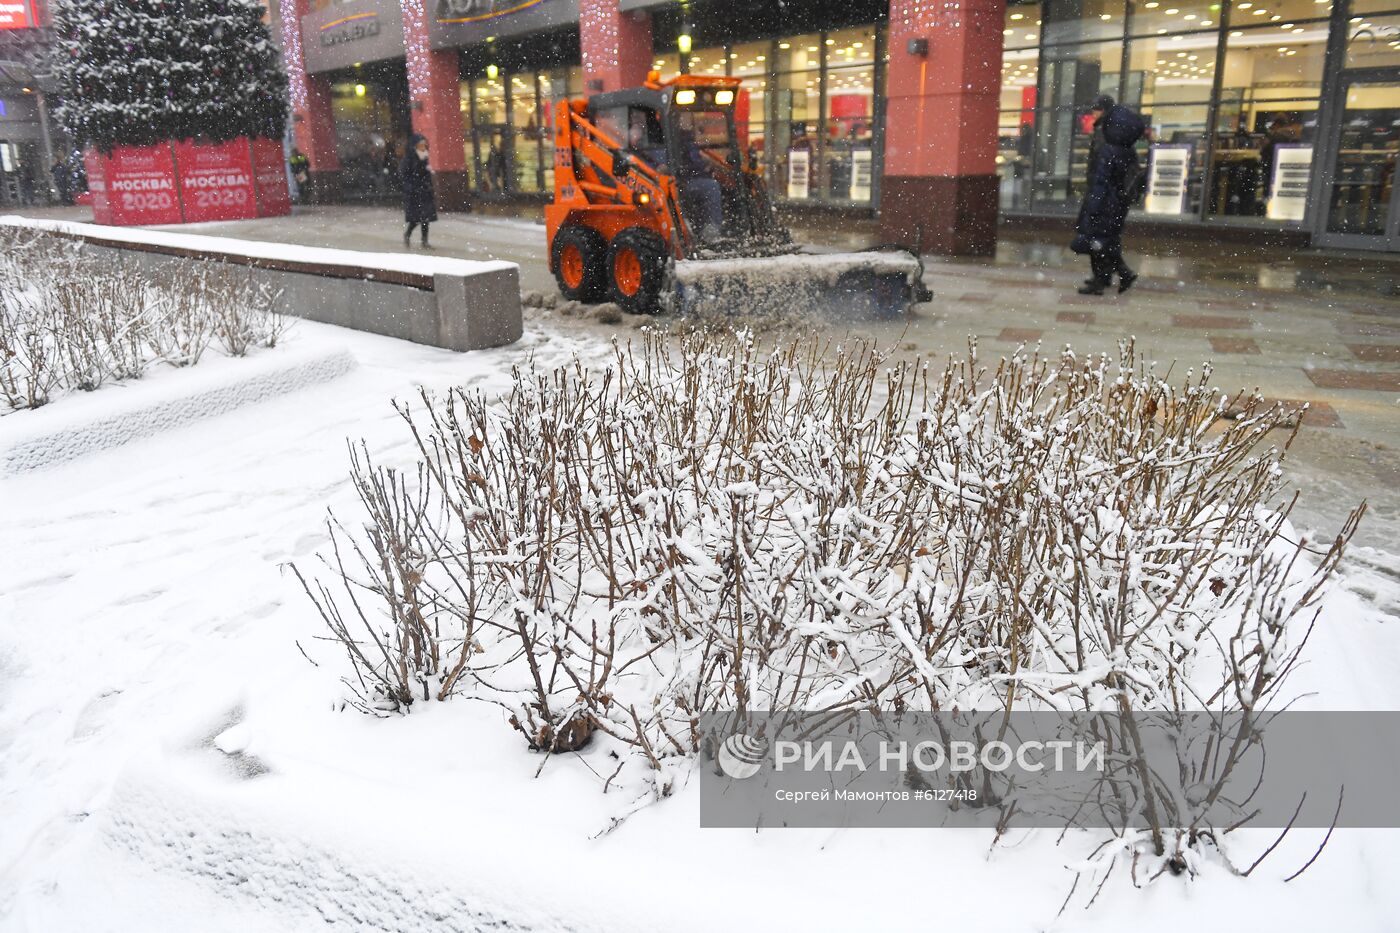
(637, 270)
(581, 264)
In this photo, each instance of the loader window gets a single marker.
(709, 128)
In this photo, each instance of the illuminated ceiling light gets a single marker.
(1105, 16)
(1018, 16)
(1006, 32)
(858, 45)
(1298, 31)
(1172, 11)
(785, 45)
(1286, 26)
(830, 41)
(1180, 54)
(1176, 38)
(763, 58)
(1030, 35)
(1260, 12)
(1153, 5)
(1189, 16)
(1236, 33)
(1206, 22)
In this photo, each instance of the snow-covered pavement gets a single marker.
(170, 760)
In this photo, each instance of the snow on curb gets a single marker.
(75, 426)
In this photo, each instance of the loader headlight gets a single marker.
(685, 98)
(724, 98)
(643, 199)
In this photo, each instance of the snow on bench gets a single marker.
(457, 304)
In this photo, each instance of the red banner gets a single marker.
(270, 177)
(14, 14)
(188, 182)
(216, 180)
(135, 185)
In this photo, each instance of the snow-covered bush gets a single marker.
(709, 525)
(73, 320)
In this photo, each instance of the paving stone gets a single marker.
(1353, 379)
(1075, 317)
(1210, 322)
(1375, 352)
(1020, 334)
(1233, 344)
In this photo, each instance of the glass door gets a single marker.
(1358, 202)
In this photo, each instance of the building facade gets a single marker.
(1269, 117)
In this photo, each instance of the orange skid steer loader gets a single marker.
(657, 207)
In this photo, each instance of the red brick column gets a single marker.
(313, 124)
(616, 46)
(940, 186)
(435, 98)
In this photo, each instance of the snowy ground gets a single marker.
(169, 760)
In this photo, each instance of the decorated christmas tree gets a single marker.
(135, 72)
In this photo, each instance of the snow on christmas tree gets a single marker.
(135, 72)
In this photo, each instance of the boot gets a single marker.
(1094, 287)
(407, 238)
(1126, 280)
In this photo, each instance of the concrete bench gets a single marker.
(457, 304)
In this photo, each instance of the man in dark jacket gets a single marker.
(1113, 176)
(419, 199)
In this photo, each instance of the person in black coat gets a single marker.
(1114, 178)
(419, 200)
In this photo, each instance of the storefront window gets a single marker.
(487, 131)
(1071, 77)
(848, 156)
(1021, 29)
(1168, 17)
(668, 65)
(1373, 41)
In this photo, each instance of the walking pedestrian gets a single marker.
(62, 182)
(419, 199)
(301, 173)
(1115, 182)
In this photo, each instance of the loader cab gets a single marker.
(670, 127)
(689, 132)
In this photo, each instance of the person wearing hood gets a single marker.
(1114, 184)
(419, 199)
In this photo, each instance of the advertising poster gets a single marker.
(861, 174)
(136, 185)
(1166, 179)
(799, 173)
(270, 178)
(1288, 198)
(216, 180)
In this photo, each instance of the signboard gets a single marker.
(216, 180)
(270, 178)
(342, 35)
(456, 23)
(799, 173)
(861, 174)
(1288, 197)
(15, 14)
(135, 185)
(1166, 179)
(188, 182)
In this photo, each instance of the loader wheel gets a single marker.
(637, 270)
(580, 258)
